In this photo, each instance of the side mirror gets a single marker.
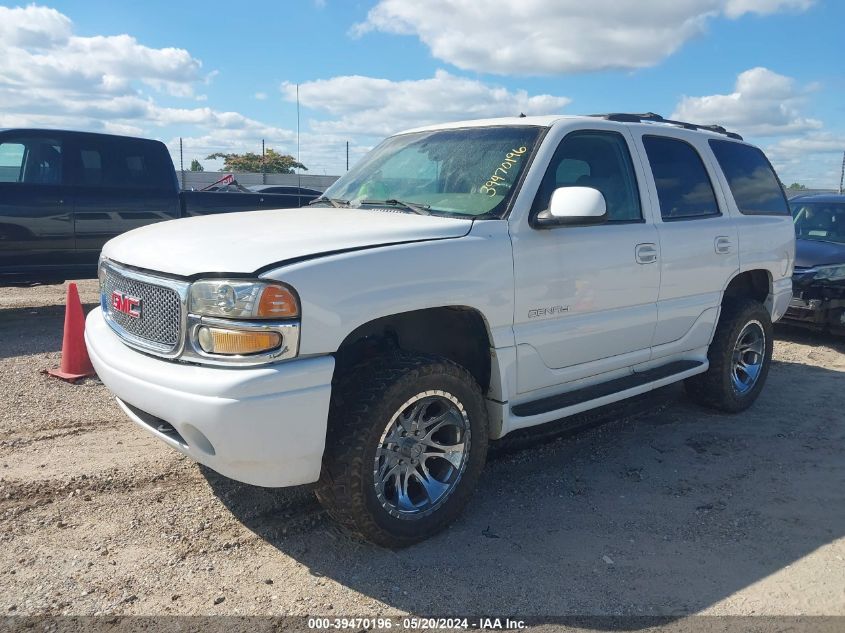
(573, 206)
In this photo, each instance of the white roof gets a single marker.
(542, 121)
(549, 120)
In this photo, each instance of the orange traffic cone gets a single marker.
(75, 361)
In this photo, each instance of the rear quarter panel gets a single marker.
(767, 242)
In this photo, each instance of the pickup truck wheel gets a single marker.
(406, 444)
(739, 356)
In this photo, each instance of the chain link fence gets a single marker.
(200, 179)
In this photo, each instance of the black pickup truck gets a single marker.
(64, 194)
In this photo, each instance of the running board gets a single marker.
(594, 392)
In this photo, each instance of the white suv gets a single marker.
(461, 282)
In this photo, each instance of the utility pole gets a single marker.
(181, 162)
(263, 164)
(842, 175)
(297, 123)
(298, 171)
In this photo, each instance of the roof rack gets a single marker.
(651, 117)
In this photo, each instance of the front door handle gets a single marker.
(646, 253)
(724, 245)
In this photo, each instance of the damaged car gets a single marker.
(819, 276)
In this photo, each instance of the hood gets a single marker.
(809, 253)
(247, 242)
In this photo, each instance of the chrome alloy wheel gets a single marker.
(748, 356)
(421, 455)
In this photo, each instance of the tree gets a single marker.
(196, 165)
(274, 163)
(797, 185)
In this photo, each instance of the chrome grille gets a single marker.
(159, 328)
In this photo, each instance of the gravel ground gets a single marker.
(664, 509)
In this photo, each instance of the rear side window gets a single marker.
(123, 163)
(92, 166)
(754, 185)
(141, 165)
(684, 189)
(31, 160)
(597, 159)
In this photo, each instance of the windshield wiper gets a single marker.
(335, 202)
(421, 209)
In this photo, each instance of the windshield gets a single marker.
(462, 172)
(822, 221)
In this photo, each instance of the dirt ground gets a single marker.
(664, 508)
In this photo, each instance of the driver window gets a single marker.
(596, 159)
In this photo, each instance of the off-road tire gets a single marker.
(362, 404)
(715, 388)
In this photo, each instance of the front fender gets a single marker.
(339, 293)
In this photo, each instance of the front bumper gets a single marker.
(264, 426)
(817, 303)
(816, 313)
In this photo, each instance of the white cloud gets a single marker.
(232, 141)
(33, 26)
(564, 36)
(50, 77)
(38, 49)
(363, 110)
(738, 8)
(373, 106)
(816, 143)
(767, 106)
(763, 103)
(323, 154)
(813, 159)
(261, 96)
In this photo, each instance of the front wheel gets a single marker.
(406, 444)
(739, 356)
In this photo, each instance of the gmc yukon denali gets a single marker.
(461, 282)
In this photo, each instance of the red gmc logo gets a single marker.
(122, 302)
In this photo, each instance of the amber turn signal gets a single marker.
(215, 340)
(277, 302)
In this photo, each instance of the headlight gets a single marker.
(242, 322)
(236, 299)
(830, 273)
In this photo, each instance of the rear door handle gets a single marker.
(646, 253)
(724, 245)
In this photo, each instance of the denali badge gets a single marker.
(547, 312)
(122, 302)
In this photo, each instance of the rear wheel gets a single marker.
(406, 445)
(739, 356)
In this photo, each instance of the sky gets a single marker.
(224, 76)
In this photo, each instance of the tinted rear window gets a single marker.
(683, 186)
(124, 163)
(753, 182)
